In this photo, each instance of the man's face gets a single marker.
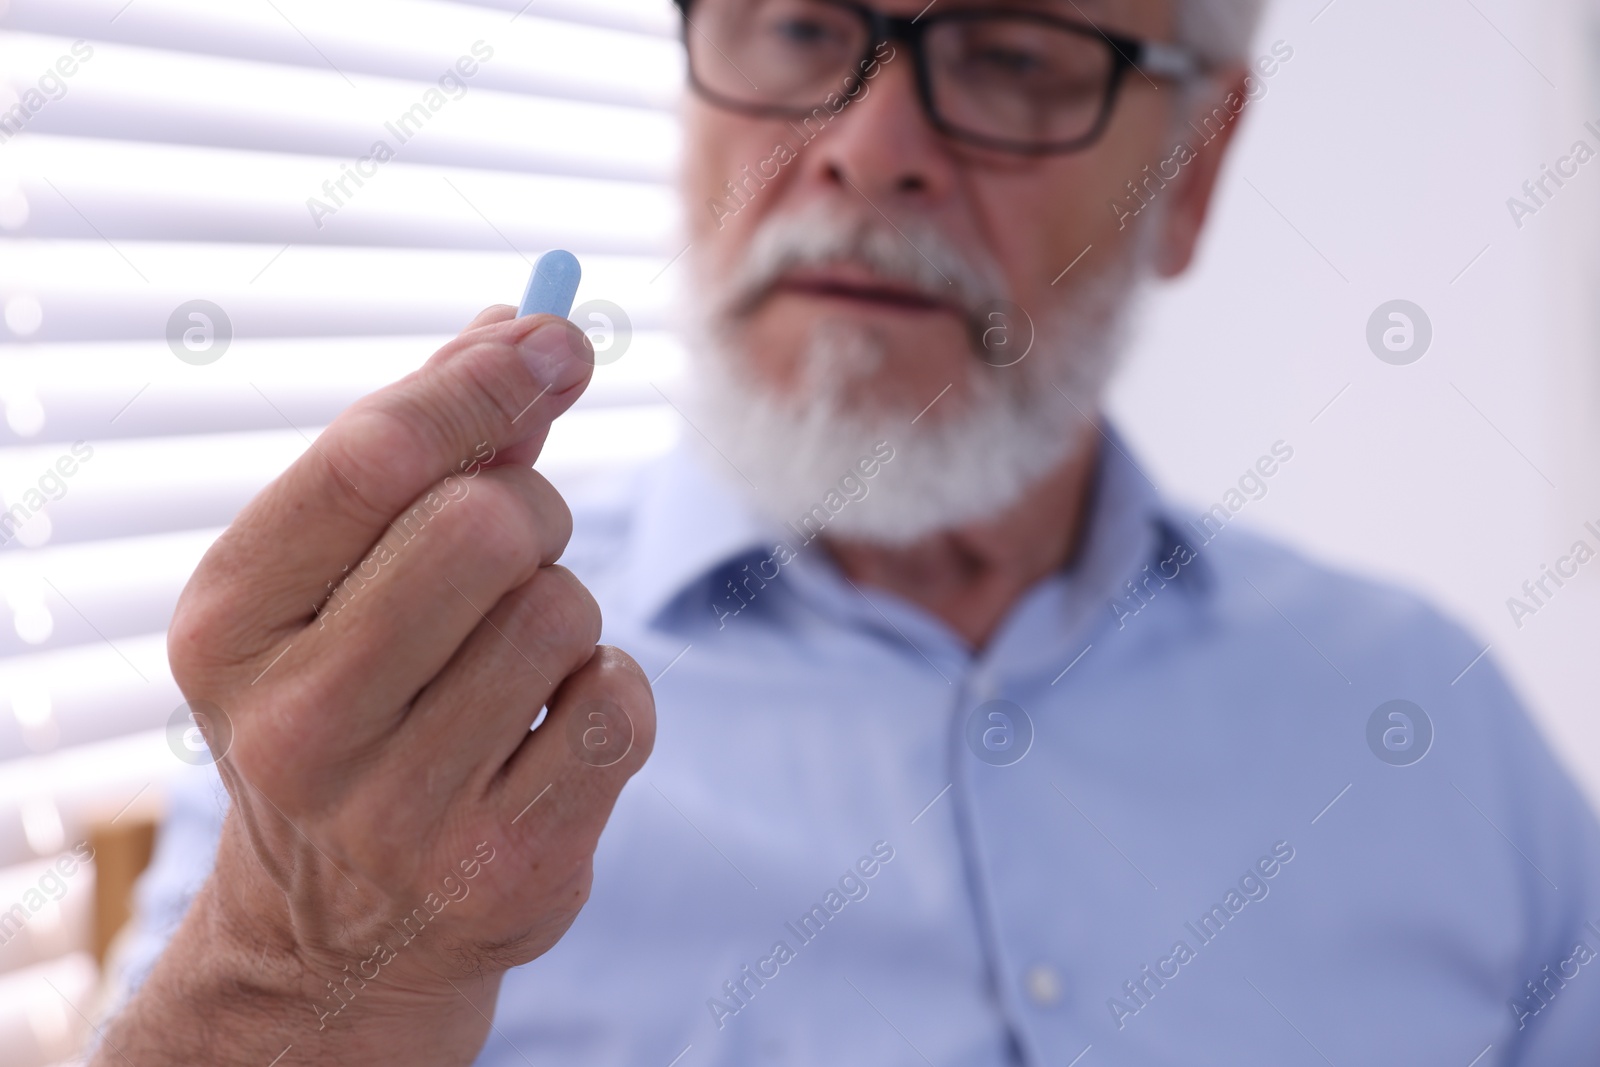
(870, 339)
(1031, 216)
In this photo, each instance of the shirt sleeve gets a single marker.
(1552, 1002)
(186, 850)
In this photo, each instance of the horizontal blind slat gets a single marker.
(187, 194)
(128, 93)
(79, 697)
(61, 926)
(639, 16)
(38, 1029)
(128, 290)
(77, 594)
(100, 392)
(535, 54)
(86, 784)
(133, 488)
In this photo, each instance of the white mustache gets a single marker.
(913, 253)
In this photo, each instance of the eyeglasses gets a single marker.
(1016, 80)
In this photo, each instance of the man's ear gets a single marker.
(1223, 94)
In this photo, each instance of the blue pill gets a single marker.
(553, 285)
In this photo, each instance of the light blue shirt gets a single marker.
(1219, 845)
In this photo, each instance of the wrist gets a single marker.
(236, 986)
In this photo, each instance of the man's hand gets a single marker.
(366, 649)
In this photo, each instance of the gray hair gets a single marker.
(1219, 31)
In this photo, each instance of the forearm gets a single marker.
(231, 990)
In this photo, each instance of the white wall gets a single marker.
(1391, 142)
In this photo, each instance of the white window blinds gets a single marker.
(334, 187)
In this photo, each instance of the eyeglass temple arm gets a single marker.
(1162, 60)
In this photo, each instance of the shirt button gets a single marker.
(1043, 983)
(982, 686)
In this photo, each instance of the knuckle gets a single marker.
(573, 607)
(486, 382)
(377, 444)
(630, 687)
(555, 515)
(274, 723)
(490, 315)
(404, 429)
(191, 634)
(489, 520)
(545, 516)
(566, 883)
(561, 614)
(209, 630)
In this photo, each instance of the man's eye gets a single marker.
(1007, 61)
(801, 32)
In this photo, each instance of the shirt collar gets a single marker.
(690, 522)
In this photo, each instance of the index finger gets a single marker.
(493, 391)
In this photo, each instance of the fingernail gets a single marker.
(558, 355)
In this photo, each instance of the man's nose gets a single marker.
(882, 144)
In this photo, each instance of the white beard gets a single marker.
(961, 460)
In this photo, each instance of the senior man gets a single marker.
(972, 750)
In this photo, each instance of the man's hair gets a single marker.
(1219, 31)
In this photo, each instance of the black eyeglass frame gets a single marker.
(1155, 59)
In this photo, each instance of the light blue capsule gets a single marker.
(553, 285)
